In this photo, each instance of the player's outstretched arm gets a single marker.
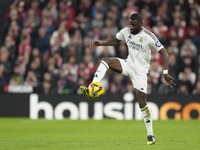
(111, 42)
(167, 77)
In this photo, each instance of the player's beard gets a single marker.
(136, 30)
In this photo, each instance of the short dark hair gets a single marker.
(136, 16)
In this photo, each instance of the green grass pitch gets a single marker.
(107, 134)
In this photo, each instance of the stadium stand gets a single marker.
(44, 43)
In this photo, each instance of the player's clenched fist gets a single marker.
(95, 43)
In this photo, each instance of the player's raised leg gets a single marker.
(98, 76)
(106, 63)
(141, 98)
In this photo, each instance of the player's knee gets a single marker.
(107, 60)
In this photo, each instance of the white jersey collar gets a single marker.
(143, 28)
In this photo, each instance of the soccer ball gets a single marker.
(95, 89)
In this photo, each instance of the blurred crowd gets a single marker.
(46, 43)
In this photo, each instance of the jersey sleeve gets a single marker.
(153, 40)
(156, 44)
(120, 35)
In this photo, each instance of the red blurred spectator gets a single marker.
(15, 29)
(159, 28)
(180, 30)
(194, 24)
(66, 13)
(58, 58)
(24, 46)
(25, 40)
(116, 85)
(31, 20)
(35, 7)
(13, 10)
(85, 6)
(129, 9)
(84, 72)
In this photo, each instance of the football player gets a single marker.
(139, 41)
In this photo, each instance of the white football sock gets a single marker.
(100, 72)
(147, 119)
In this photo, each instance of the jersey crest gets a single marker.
(141, 40)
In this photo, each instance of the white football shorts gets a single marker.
(136, 73)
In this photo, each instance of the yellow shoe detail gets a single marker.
(84, 90)
(150, 143)
(151, 139)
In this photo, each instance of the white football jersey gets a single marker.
(139, 46)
